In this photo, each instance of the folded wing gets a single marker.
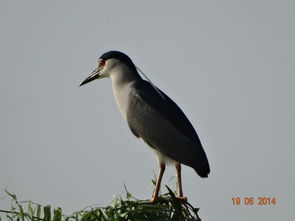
(163, 125)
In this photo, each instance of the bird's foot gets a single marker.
(154, 199)
(182, 199)
(158, 200)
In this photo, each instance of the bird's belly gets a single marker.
(168, 143)
(163, 158)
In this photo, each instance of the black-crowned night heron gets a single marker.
(153, 117)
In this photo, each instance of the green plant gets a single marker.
(169, 207)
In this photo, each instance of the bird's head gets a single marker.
(111, 64)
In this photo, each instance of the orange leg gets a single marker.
(178, 172)
(158, 184)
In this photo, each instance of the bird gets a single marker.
(152, 117)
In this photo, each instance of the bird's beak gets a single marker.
(93, 76)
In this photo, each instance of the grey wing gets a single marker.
(150, 117)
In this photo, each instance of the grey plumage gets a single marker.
(163, 126)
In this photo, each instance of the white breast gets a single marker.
(121, 93)
(122, 78)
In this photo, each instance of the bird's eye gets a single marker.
(101, 63)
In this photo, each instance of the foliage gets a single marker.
(168, 208)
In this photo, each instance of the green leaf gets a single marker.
(128, 194)
(47, 213)
(30, 209)
(38, 211)
(9, 217)
(57, 215)
(77, 218)
(11, 195)
(21, 213)
(104, 215)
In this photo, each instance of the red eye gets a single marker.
(101, 63)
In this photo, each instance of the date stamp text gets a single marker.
(249, 201)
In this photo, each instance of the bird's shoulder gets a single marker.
(144, 92)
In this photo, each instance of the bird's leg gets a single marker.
(178, 172)
(158, 184)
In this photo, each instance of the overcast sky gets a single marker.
(228, 64)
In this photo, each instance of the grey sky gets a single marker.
(228, 64)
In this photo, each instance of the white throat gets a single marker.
(122, 79)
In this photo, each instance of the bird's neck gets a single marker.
(122, 79)
(123, 75)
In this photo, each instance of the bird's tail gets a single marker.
(201, 164)
(203, 172)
